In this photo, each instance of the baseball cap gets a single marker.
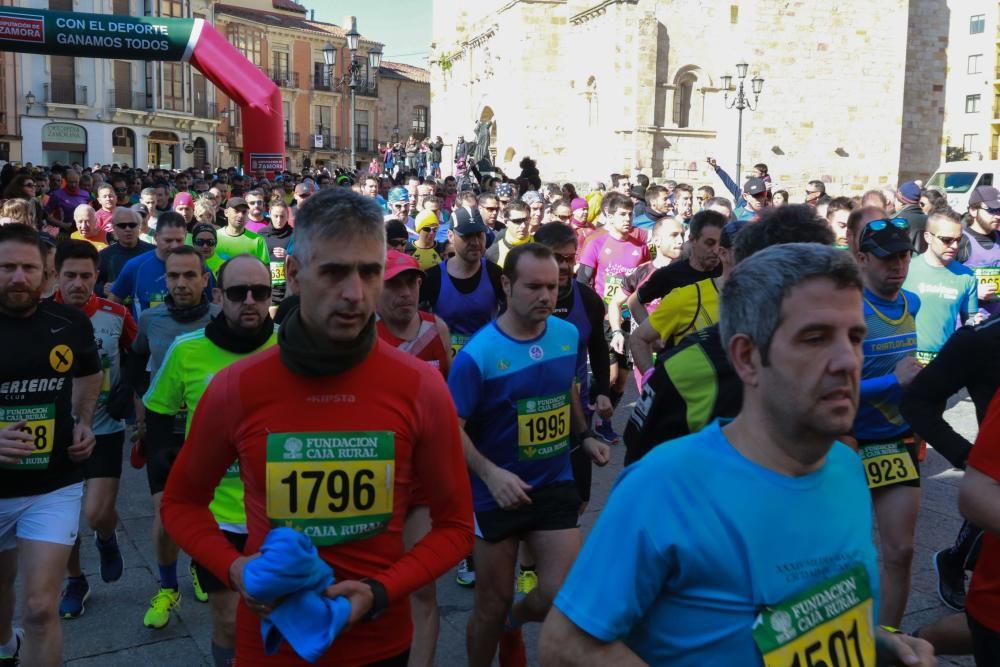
(395, 231)
(754, 186)
(467, 222)
(398, 262)
(426, 219)
(909, 192)
(986, 195)
(884, 238)
(141, 209)
(398, 194)
(532, 197)
(237, 202)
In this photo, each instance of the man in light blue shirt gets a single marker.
(948, 290)
(752, 538)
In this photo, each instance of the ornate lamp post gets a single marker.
(741, 100)
(352, 79)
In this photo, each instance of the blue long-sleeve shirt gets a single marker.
(738, 199)
(892, 335)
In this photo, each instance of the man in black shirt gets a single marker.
(971, 360)
(49, 386)
(277, 235)
(703, 262)
(127, 245)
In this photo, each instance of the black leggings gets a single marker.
(985, 644)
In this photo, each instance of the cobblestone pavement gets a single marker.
(111, 633)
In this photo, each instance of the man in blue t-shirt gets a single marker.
(514, 385)
(750, 541)
(142, 283)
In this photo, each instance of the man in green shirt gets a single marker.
(235, 239)
(243, 327)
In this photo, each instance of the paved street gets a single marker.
(111, 634)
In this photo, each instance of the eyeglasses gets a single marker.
(126, 225)
(882, 223)
(517, 221)
(569, 258)
(239, 292)
(254, 202)
(947, 240)
(205, 243)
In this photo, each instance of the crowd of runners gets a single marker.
(344, 387)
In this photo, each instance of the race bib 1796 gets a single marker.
(334, 487)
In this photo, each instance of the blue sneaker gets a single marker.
(14, 659)
(112, 563)
(607, 433)
(73, 597)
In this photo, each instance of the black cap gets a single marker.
(893, 238)
(467, 223)
(754, 186)
(396, 230)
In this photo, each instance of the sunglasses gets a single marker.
(397, 243)
(429, 230)
(565, 259)
(994, 211)
(517, 221)
(205, 243)
(121, 191)
(239, 292)
(449, 255)
(947, 240)
(126, 225)
(879, 225)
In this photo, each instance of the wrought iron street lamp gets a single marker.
(741, 100)
(352, 78)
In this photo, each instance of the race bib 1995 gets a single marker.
(334, 487)
(543, 427)
(887, 463)
(829, 625)
(41, 424)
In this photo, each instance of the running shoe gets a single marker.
(512, 653)
(527, 581)
(74, 597)
(15, 659)
(112, 563)
(199, 593)
(165, 601)
(607, 433)
(466, 574)
(951, 580)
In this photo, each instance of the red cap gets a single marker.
(397, 262)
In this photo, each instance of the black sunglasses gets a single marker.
(239, 292)
(126, 225)
(205, 242)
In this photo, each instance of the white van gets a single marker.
(959, 179)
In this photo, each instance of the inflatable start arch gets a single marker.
(165, 39)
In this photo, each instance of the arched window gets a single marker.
(123, 146)
(682, 99)
(200, 153)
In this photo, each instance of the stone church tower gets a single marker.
(853, 90)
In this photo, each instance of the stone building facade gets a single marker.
(590, 87)
(404, 102)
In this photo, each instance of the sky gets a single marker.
(404, 26)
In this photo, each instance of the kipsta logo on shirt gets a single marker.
(293, 448)
(536, 352)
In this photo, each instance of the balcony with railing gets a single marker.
(322, 82)
(69, 94)
(362, 144)
(129, 100)
(285, 78)
(292, 139)
(323, 141)
(367, 88)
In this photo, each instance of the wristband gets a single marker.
(617, 331)
(589, 433)
(380, 599)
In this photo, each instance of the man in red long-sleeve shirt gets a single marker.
(331, 428)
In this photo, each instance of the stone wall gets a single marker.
(924, 96)
(397, 102)
(587, 88)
